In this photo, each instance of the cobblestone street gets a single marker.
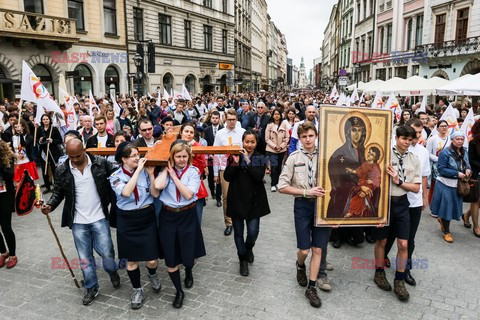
(447, 289)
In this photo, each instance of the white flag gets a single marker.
(451, 118)
(159, 97)
(92, 103)
(149, 95)
(166, 96)
(423, 107)
(185, 93)
(392, 104)
(467, 127)
(71, 116)
(177, 95)
(135, 101)
(334, 94)
(354, 96)
(33, 90)
(377, 102)
(116, 108)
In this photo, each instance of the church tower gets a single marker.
(302, 75)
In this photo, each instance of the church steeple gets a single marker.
(302, 64)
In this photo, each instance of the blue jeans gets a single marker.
(253, 227)
(94, 236)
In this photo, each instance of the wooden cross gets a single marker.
(159, 154)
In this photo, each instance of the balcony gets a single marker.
(27, 25)
(450, 48)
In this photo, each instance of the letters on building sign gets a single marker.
(32, 23)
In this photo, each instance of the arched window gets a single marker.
(168, 82)
(45, 77)
(190, 82)
(82, 83)
(112, 80)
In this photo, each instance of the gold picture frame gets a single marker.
(354, 153)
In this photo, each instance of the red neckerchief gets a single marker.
(180, 178)
(135, 191)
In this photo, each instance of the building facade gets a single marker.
(259, 45)
(56, 37)
(328, 51)
(243, 44)
(193, 41)
(363, 40)
(347, 32)
(317, 72)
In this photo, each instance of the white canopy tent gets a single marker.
(361, 86)
(372, 85)
(468, 85)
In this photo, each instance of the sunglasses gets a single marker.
(146, 129)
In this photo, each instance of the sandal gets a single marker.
(467, 223)
(476, 234)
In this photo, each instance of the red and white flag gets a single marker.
(377, 102)
(467, 127)
(70, 115)
(92, 103)
(393, 104)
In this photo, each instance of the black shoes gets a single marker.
(219, 203)
(301, 275)
(115, 279)
(313, 297)
(178, 302)
(228, 230)
(188, 278)
(244, 267)
(336, 244)
(369, 238)
(409, 279)
(387, 263)
(89, 296)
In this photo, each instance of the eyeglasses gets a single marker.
(134, 156)
(146, 129)
(231, 119)
(444, 126)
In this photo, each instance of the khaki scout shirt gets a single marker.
(295, 171)
(413, 173)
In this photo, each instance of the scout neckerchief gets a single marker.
(179, 176)
(310, 165)
(135, 191)
(401, 168)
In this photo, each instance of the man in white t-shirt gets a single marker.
(418, 201)
(102, 139)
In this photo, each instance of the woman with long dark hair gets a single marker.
(7, 206)
(474, 158)
(49, 135)
(247, 199)
(452, 165)
(22, 146)
(276, 138)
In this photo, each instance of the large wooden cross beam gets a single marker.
(158, 155)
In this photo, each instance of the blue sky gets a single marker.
(303, 23)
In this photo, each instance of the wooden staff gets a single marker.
(48, 148)
(61, 251)
(35, 137)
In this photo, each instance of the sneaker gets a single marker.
(301, 276)
(3, 258)
(137, 298)
(156, 285)
(115, 279)
(381, 280)
(313, 297)
(329, 266)
(273, 189)
(324, 284)
(400, 290)
(89, 296)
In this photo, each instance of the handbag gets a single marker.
(473, 195)
(463, 187)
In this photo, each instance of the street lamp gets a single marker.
(356, 69)
(137, 59)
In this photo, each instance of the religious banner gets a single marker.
(354, 153)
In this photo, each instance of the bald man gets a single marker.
(311, 116)
(82, 180)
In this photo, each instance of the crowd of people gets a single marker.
(158, 211)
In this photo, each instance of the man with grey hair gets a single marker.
(244, 114)
(258, 123)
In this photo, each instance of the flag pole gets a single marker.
(48, 148)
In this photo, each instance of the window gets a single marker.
(462, 25)
(138, 24)
(207, 3)
(382, 35)
(351, 25)
(409, 34)
(364, 9)
(372, 6)
(389, 38)
(225, 6)
(419, 31)
(35, 6)
(370, 46)
(440, 28)
(224, 41)
(75, 11)
(358, 11)
(165, 29)
(109, 14)
(208, 37)
(415, 70)
(188, 34)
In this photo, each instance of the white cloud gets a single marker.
(303, 23)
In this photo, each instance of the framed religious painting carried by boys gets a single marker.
(354, 153)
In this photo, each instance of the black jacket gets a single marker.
(263, 124)
(92, 142)
(7, 199)
(209, 134)
(26, 141)
(247, 198)
(474, 158)
(140, 142)
(64, 187)
(6, 135)
(55, 149)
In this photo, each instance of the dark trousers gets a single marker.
(253, 227)
(214, 189)
(353, 235)
(6, 224)
(47, 178)
(276, 160)
(415, 215)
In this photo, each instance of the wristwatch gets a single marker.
(400, 182)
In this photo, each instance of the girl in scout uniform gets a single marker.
(137, 234)
(298, 178)
(181, 238)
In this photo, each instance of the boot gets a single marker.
(243, 265)
(250, 256)
(188, 277)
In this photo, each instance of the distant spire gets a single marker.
(302, 64)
